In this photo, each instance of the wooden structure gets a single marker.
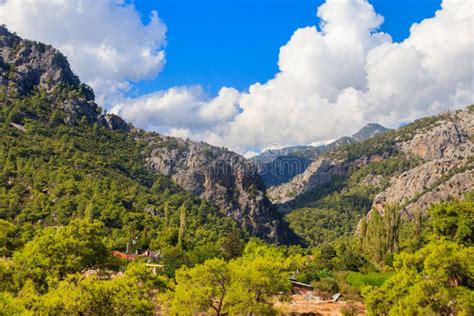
(154, 266)
(300, 288)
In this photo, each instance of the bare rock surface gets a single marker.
(221, 177)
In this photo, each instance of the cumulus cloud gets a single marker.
(105, 41)
(181, 111)
(333, 78)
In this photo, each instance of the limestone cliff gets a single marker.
(441, 146)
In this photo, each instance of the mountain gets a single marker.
(428, 161)
(45, 105)
(219, 176)
(278, 166)
(369, 131)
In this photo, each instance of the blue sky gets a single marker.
(235, 43)
(255, 74)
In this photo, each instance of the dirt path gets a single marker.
(299, 306)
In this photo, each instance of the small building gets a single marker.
(153, 255)
(300, 288)
(124, 256)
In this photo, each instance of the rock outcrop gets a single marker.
(442, 145)
(221, 177)
(279, 166)
(321, 172)
(28, 66)
(447, 168)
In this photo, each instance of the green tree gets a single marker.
(257, 277)
(203, 288)
(58, 251)
(182, 226)
(166, 211)
(232, 245)
(7, 237)
(454, 220)
(436, 280)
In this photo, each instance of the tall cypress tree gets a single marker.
(182, 226)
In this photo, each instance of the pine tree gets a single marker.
(167, 215)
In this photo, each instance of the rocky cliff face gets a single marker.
(321, 172)
(281, 165)
(442, 145)
(215, 174)
(220, 176)
(447, 168)
(28, 66)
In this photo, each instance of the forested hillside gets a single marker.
(428, 161)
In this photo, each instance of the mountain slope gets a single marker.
(278, 166)
(44, 101)
(220, 176)
(368, 131)
(428, 161)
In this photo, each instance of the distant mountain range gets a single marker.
(277, 166)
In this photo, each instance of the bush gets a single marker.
(327, 284)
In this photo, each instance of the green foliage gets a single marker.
(333, 215)
(8, 237)
(375, 279)
(232, 245)
(244, 285)
(438, 278)
(182, 226)
(54, 172)
(129, 294)
(203, 288)
(380, 234)
(56, 252)
(454, 220)
(327, 284)
(261, 273)
(71, 194)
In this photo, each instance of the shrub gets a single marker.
(327, 284)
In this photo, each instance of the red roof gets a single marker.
(124, 256)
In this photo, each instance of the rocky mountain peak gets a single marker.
(27, 67)
(369, 131)
(27, 64)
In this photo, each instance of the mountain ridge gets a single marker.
(30, 68)
(277, 166)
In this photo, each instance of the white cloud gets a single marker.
(181, 110)
(105, 41)
(332, 80)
